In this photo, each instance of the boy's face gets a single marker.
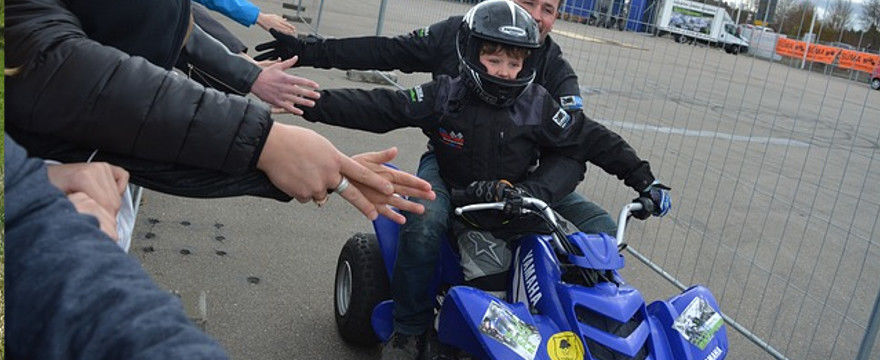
(502, 65)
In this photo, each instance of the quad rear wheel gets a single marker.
(361, 284)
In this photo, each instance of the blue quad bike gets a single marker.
(566, 300)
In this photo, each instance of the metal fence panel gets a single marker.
(774, 169)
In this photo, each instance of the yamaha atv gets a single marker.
(566, 300)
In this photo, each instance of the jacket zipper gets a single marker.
(501, 154)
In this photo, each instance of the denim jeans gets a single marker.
(585, 215)
(419, 247)
(417, 253)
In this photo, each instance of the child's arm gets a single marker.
(556, 177)
(574, 135)
(379, 110)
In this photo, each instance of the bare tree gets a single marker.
(785, 9)
(871, 13)
(840, 15)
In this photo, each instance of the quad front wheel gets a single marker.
(361, 284)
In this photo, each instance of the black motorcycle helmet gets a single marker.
(503, 22)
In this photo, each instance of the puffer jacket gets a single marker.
(71, 91)
(71, 293)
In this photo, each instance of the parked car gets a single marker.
(875, 78)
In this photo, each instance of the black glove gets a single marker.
(487, 190)
(498, 190)
(283, 47)
(655, 201)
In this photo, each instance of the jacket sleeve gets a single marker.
(75, 90)
(561, 81)
(555, 177)
(242, 11)
(576, 136)
(379, 110)
(70, 289)
(418, 51)
(211, 60)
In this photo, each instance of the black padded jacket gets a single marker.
(477, 141)
(71, 91)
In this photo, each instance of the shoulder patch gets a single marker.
(562, 118)
(420, 33)
(416, 94)
(571, 102)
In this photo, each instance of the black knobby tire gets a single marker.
(361, 283)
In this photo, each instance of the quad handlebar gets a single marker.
(535, 205)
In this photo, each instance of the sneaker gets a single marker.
(403, 347)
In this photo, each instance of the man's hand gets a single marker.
(283, 47)
(404, 184)
(86, 205)
(283, 90)
(101, 182)
(274, 21)
(660, 201)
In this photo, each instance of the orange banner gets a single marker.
(860, 61)
(790, 48)
(822, 53)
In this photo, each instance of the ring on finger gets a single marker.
(343, 184)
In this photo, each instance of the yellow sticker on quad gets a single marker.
(565, 346)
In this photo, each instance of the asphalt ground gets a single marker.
(772, 170)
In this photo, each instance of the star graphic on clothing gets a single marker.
(484, 246)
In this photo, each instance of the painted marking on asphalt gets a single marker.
(596, 40)
(706, 133)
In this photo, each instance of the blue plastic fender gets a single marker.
(665, 313)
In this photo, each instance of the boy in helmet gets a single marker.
(487, 128)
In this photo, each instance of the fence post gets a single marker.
(381, 21)
(318, 20)
(871, 331)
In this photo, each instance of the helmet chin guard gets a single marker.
(505, 23)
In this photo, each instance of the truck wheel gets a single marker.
(681, 39)
(875, 84)
(361, 284)
(734, 49)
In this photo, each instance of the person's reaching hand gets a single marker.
(277, 22)
(101, 182)
(404, 184)
(306, 165)
(284, 91)
(283, 47)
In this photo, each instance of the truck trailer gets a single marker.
(690, 21)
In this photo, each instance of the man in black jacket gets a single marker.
(71, 293)
(432, 49)
(70, 94)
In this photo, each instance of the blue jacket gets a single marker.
(71, 293)
(242, 11)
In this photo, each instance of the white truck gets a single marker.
(690, 21)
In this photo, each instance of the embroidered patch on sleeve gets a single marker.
(562, 118)
(571, 102)
(420, 33)
(416, 94)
